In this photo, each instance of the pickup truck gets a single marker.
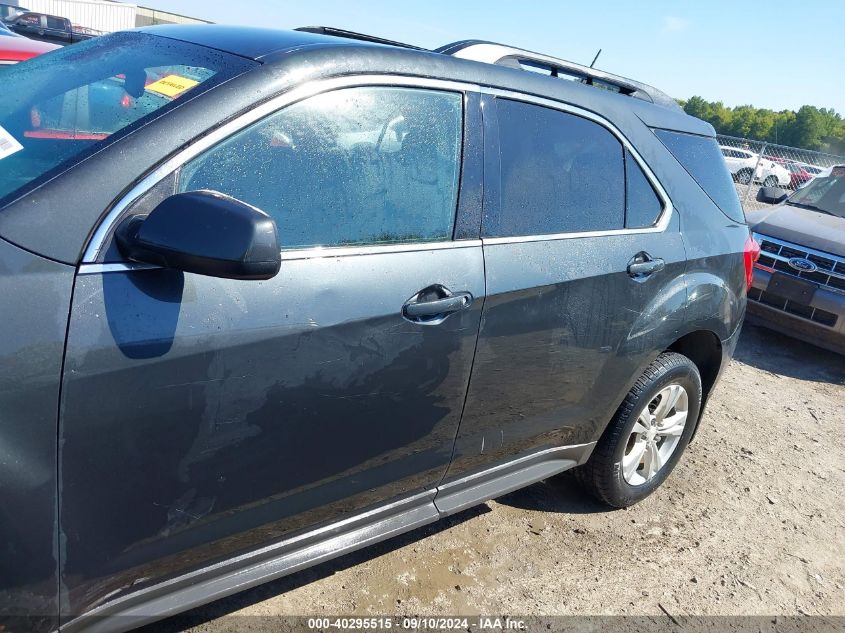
(49, 28)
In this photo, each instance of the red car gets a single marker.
(798, 175)
(14, 49)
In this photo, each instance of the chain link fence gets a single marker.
(757, 164)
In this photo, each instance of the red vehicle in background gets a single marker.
(798, 175)
(14, 48)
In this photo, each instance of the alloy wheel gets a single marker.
(655, 435)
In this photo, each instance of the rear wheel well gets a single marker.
(705, 350)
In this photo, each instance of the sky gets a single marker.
(768, 53)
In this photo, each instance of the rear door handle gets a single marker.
(420, 308)
(643, 265)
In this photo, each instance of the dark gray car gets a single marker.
(268, 297)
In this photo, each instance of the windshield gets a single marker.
(58, 108)
(825, 194)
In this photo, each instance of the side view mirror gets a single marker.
(772, 195)
(207, 233)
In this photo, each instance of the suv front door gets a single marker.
(203, 417)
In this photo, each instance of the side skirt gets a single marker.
(288, 556)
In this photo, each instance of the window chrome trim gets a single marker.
(374, 249)
(97, 242)
(553, 237)
(309, 89)
(663, 219)
(119, 267)
(296, 254)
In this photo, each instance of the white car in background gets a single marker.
(742, 162)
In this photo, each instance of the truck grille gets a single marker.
(775, 255)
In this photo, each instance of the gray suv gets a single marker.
(799, 279)
(269, 297)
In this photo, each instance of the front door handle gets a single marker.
(642, 265)
(435, 303)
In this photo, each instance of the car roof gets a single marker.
(274, 47)
(252, 42)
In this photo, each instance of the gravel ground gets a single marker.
(750, 523)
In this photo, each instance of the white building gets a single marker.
(103, 15)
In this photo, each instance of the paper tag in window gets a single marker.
(8, 144)
(172, 85)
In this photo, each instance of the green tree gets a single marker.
(810, 128)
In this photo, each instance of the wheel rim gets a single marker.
(656, 434)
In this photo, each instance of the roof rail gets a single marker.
(352, 35)
(502, 55)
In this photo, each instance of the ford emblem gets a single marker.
(803, 265)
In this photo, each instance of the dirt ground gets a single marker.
(750, 523)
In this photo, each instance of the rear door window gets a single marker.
(357, 166)
(701, 157)
(560, 173)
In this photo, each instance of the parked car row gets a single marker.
(800, 173)
(746, 166)
(771, 171)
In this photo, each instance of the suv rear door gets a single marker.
(203, 417)
(584, 264)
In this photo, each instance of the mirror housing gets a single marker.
(204, 232)
(772, 195)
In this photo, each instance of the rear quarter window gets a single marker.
(642, 205)
(704, 161)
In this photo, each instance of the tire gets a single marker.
(744, 176)
(608, 475)
(770, 181)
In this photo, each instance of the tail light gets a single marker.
(751, 254)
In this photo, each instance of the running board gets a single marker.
(286, 557)
(255, 568)
(497, 481)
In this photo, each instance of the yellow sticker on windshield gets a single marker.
(172, 85)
